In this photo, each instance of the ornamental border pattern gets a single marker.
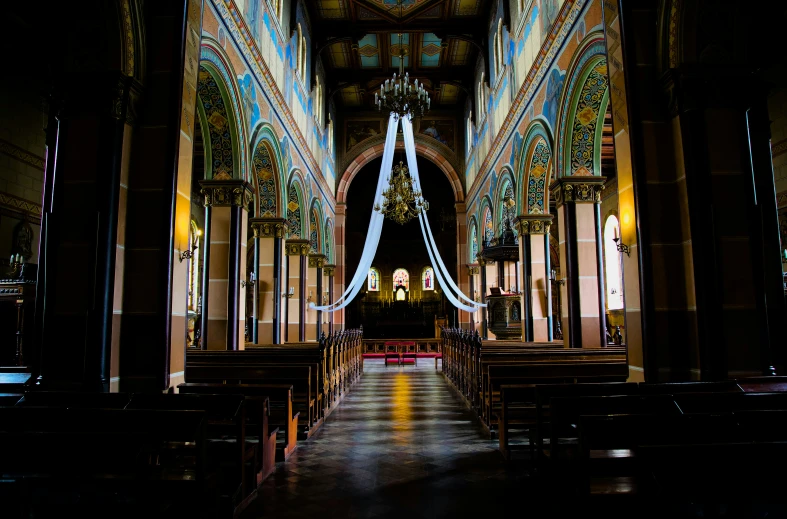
(549, 50)
(228, 12)
(20, 204)
(22, 155)
(779, 148)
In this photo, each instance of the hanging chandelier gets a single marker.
(398, 95)
(400, 202)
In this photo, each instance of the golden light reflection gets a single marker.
(402, 410)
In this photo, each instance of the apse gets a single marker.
(390, 307)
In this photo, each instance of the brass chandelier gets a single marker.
(400, 202)
(398, 95)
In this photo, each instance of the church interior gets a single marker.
(386, 258)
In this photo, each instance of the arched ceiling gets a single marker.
(358, 41)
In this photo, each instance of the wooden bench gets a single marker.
(297, 376)
(228, 453)
(75, 400)
(139, 460)
(273, 414)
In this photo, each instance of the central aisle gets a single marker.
(402, 445)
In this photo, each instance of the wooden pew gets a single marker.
(75, 400)
(297, 376)
(274, 413)
(228, 452)
(141, 459)
(10, 399)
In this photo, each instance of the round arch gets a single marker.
(376, 151)
(213, 56)
(265, 135)
(316, 238)
(586, 60)
(295, 211)
(487, 233)
(504, 183)
(328, 244)
(472, 239)
(533, 184)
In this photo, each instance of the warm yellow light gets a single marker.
(199, 232)
(626, 219)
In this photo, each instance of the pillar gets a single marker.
(339, 258)
(472, 274)
(534, 275)
(269, 234)
(297, 252)
(329, 271)
(226, 203)
(484, 265)
(79, 233)
(579, 216)
(461, 261)
(315, 284)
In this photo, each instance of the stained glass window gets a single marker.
(427, 279)
(401, 278)
(294, 213)
(327, 239)
(373, 280)
(266, 181)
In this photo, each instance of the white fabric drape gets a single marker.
(426, 230)
(375, 225)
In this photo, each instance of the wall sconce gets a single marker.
(621, 246)
(249, 283)
(553, 277)
(189, 253)
(290, 293)
(16, 263)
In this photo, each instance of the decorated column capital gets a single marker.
(230, 192)
(328, 270)
(297, 247)
(534, 223)
(578, 189)
(473, 270)
(268, 227)
(483, 262)
(316, 261)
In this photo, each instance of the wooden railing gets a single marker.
(431, 345)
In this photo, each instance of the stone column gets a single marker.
(339, 258)
(472, 272)
(534, 273)
(329, 270)
(269, 233)
(314, 276)
(297, 251)
(461, 260)
(226, 202)
(78, 250)
(484, 265)
(579, 216)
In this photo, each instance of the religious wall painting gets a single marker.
(583, 132)
(294, 213)
(248, 94)
(266, 181)
(357, 131)
(285, 154)
(537, 178)
(401, 278)
(427, 279)
(253, 14)
(552, 101)
(516, 146)
(489, 227)
(210, 95)
(440, 129)
(373, 280)
(314, 238)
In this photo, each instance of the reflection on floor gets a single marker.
(402, 445)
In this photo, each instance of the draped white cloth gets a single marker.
(376, 227)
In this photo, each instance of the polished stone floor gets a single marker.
(402, 445)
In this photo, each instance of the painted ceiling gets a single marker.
(361, 42)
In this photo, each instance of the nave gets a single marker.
(400, 445)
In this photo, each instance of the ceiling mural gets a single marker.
(392, 7)
(369, 51)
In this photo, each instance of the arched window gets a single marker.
(373, 280)
(427, 279)
(612, 265)
(480, 100)
(469, 132)
(500, 50)
(401, 278)
(318, 103)
(474, 245)
(314, 234)
(301, 54)
(330, 135)
(194, 277)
